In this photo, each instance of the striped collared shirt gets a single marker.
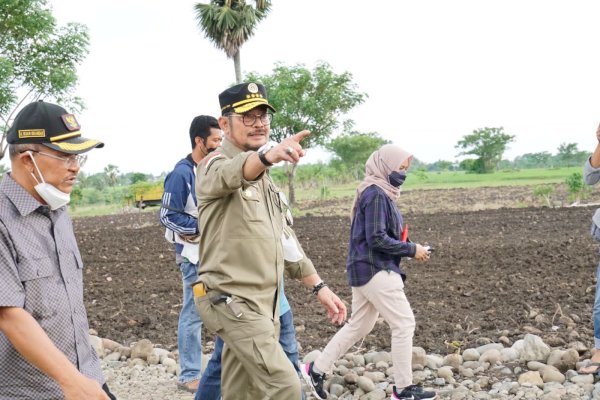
(41, 271)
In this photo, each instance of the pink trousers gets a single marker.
(382, 295)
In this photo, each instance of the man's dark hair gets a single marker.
(201, 126)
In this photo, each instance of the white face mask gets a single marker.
(51, 195)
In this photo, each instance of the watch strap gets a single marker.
(263, 159)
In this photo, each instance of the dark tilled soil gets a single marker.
(491, 273)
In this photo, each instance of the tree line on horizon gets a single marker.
(346, 166)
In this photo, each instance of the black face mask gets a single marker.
(208, 149)
(397, 178)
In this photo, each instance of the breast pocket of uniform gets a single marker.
(40, 280)
(253, 207)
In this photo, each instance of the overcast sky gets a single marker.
(434, 71)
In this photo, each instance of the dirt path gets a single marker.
(499, 272)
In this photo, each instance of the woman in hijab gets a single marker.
(373, 269)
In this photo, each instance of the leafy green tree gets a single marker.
(354, 148)
(228, 24)
(138, 177)
(96, 181)
(305, 99)
(569, 155)
(469, 165)
(488, 144)
(566, 153)
(38, 59)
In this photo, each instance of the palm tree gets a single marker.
(112, 173)
(229, 24)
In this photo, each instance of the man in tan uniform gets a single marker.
(244, 236)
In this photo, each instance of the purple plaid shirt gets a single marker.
(375, 238)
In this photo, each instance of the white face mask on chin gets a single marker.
(51, 195)
(54, 197)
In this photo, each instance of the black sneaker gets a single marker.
(314, 380)
(412, 392)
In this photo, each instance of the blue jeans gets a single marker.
(596, 310)
(210, 385)
(189, 329)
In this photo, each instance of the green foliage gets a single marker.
(578, 190)
(138, 177)
(544, 192)
(305, 99)
(354, 148)
(96, 181)
(569, 155)
(76, 196)
(488, 144)
(420, 174)
(470, 165)
(313, 100)
(37, 58)
(92, 195)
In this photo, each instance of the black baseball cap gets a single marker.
(243, 98)
(50, 125)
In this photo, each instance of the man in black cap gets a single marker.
(45, 351)
(246, 243)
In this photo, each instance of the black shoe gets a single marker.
(314, 380)
(412, 392)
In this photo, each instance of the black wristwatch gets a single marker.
(318, 287)
(262, 158)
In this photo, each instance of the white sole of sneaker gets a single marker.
(308, 380)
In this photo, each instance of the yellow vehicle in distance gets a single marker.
(147, 195)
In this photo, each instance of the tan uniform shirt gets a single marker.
(241, 225)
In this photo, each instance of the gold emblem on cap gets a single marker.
(70, 122)
(253, 87)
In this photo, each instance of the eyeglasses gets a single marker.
(250, 119)
(69, 161)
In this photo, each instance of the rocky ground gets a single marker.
(496, 275)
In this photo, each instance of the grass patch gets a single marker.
(452, 180)
(97, 210)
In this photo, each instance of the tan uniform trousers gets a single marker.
(254, 365)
